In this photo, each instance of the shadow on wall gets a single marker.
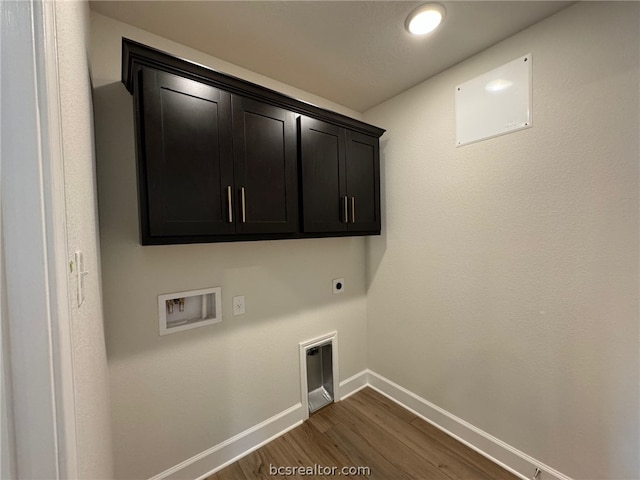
(376, 246)
(280, 278)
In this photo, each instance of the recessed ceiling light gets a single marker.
(424, 19)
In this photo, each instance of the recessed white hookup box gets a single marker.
(185, 310)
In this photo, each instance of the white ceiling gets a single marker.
(355, 53)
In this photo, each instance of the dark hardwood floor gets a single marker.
(365, 430)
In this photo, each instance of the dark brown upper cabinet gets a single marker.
(265, 167)
(221, 159)
(340, 179)
(213, 163)
(185, 161)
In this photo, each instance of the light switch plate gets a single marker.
(338, 286)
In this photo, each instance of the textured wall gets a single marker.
(175, 396)
(90, 363)
(505, 289)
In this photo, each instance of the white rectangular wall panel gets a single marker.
(495, 103)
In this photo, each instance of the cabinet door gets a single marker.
(265, 167)
(363, 182)
(185, 166)
(323, 178)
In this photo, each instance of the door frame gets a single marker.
(37, 356)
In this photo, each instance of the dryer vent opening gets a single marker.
(319, 361)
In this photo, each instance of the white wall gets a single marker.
(175, 396)
(505, 288)
(90, 372)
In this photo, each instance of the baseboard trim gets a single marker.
(236, 447)
(240, 445)
(353, 384)
(499, 452)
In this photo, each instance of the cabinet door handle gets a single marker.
(346, 209)
(230, 202)
(244, 213)
(353, 209)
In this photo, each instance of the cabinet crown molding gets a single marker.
(136, 55)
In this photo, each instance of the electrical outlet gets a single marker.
(238, 305)
(338, 285)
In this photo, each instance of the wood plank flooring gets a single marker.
(370, 431)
